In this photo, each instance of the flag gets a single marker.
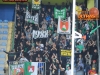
(61, 13)
(63, 26)
(31, 19)
(94, 30)
(36, 4)
(36, 1)
(17, 69)
(31, 68)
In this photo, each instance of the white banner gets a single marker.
(40, 34)
(31, 19)
(64, 27)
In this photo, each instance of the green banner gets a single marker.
(60, 13)
(36, 4)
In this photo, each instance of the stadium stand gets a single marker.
(3, 44)
(48, 50)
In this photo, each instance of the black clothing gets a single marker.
(11, 55)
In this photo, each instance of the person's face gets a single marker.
(18, 32)
(87, 52)
(93, 61)
(43, 9)
(45, 48)
(22, 34)
(38, 55)
(22, 56)
(49, 10)
(18, 24)
(68, 68)
(95, 51)
(28, 30)
(80, 55)
(42, 15)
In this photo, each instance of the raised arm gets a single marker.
(6, 52)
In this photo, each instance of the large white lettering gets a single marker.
(40, 34)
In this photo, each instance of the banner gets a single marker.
(78, 10)
(64, 26)
(65, 53)
(27, 68)
(17, 69)
(40, 34)
(31, 19)
(60, 13)
(31, 68)
(36, 4)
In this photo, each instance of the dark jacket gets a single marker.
(11, 55)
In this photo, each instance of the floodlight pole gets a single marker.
(96, 4)
(73, 35)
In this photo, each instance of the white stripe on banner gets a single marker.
(35, 64)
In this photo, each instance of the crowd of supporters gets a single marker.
(48, 49)
(86, 52)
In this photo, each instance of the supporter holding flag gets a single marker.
(11, 56)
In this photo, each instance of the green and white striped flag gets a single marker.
(31, 68)
(60, 13)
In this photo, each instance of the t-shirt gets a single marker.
(68, 72)
(80, 47)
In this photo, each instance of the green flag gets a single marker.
(61, 13)
(94, 30)
(31, 68)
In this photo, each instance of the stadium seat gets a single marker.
(2, 56)
(1, 32)
(0, 26)
(3, 44)
(5, 32)
(2, 62)
(2, 48)
(0, 21)
(1, 68)
(4, 38)
(5, 27)
(6, 21)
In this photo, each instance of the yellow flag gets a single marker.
(37, 2)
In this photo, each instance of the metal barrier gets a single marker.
(19, 68)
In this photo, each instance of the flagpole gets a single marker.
(73, 35)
